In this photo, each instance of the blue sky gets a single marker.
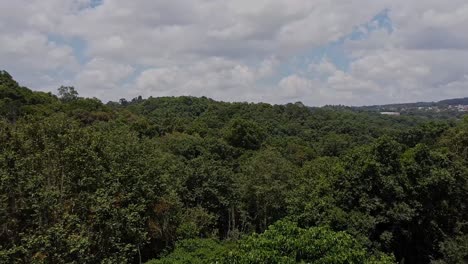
(335, 51)
(318, 52)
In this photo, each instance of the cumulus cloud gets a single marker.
(294, 87)
(240, 50)
(217, 77)
(99, 77)
(396, 75)
(33, 51)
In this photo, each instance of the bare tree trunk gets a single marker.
(229, 221)
(139, 254)
(233, 218)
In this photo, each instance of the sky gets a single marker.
(349, 52)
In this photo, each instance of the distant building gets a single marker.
(390, 113)
(462, 108)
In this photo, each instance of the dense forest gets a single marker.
(193, 180)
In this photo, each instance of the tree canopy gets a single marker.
(193, 180)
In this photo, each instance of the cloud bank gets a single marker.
(319, 52)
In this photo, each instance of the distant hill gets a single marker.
(450, 108)
(456, 101)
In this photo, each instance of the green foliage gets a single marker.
(16, 101)
(283, 242)
(67, 93)
(266, 179)
(244, 134)
(194, 251)
(455, 250)
(189, 180)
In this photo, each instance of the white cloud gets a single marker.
(33, 51)
(214, 77)
(100, 77)
(397, 75)
(198, 28)
(294, 87)
(237, 50)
